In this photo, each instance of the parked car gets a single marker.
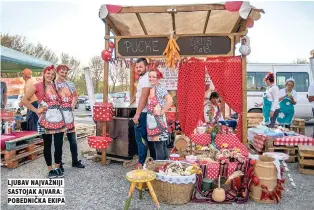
(121, 97)
(98, 98)
(13, 103)
(82, 99)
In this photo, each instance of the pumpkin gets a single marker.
(219, 194)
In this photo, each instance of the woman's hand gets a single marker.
(271, 113)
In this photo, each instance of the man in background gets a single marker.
(31, 117)
(143, 90)
(4, 94)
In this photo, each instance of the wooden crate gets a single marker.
(298, 126)
(291, 151)
(299, 122)
(83, 130)
(22, 155)
(306, 159)
(21, 142)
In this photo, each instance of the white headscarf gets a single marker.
(290, 80)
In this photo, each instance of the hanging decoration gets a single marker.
(243, 7)
(108, 9)
(249, 22)
(245, 48)
(106, 55)
(171, 52)
(111, 45)
(233, 6)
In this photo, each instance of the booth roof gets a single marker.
(187, 19)
(15, 61)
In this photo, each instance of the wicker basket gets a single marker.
(170, 193)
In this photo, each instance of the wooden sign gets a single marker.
(189, 46)
(204, 45)
(146, 47)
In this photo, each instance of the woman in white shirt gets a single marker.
(270, 99)
(287, 99)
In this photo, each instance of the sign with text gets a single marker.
(170, 80)
(149, 46)
(204, 45)
(189, 46)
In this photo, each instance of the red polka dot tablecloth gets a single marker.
(201, 139)
(213, 169)
(233, 141)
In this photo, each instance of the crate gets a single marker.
(83, 130)
(306, 159)
(21, 142)
(22, 155)
(299, 122)
(291, 151)
(298, 126)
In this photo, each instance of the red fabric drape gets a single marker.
(226, 74)
(191, 90)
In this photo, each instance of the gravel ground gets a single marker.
(98, 187)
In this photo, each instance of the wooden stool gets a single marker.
(138, 178)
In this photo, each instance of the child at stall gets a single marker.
(215, 112)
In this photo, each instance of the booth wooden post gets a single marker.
(244, 101)
(132, 83)
(105, 91)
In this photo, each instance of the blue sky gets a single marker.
(283, 34)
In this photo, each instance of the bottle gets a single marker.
(6, 128)
(12, 126)
(2, 127)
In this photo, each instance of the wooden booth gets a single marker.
(201, 31)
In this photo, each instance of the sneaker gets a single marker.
(52, 174)
(78, 164)
(60, 173)
(61, 167)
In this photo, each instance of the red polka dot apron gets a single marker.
(66, 98)
(52, 120)
(156, 125)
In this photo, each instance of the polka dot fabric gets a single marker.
(201, 139)
(191, 90)
(232, 141)
(103, 112)
(50, 123)
(226, 74)
(213, 170)
(99, 142)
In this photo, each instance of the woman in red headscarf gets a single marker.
(159, 101)
(51, 121)
(270, 101)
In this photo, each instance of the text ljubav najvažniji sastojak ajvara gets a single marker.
(36, 192)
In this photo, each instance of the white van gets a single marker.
(301, 73)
